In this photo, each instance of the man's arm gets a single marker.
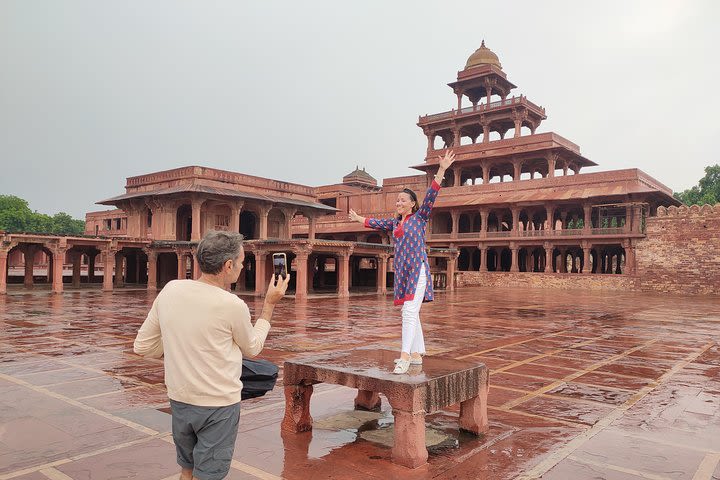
(249, 338)
(148, 342)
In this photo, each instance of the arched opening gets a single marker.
(464, 259)
(276, 223)
(248, 225)
(167, 268)
(441, 223)
(505, 259)
(183, 223)
(465, 223)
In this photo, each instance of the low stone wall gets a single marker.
(681, 253)
(563, 281)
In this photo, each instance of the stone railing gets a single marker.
(483, 107)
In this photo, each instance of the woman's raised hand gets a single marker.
(354, 216)
(447, 160)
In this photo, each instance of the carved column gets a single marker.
(195, 233)
(235, 209)
(483, 258)
(119, 270)
(301, 274)
(382, 264)
(58, 254)
(548, 257)
(552, 160)
(455, 223)
(181, 270)
(586, 247)
(312, 224)
(516, 221)
(550, 213)
(91, 265)
(29, 255)
(109, 254)
(76, 265)
(343, 274)
(3, 270)
(484, 214)
(456, 176)
(264, 211)
(451, 267)
(261, 280)
(587, 219)
(630, 266)
(151, 270)
(515, 264)
(486, 136)
(517, 170)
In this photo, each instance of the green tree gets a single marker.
(706, 191)
(16, 216)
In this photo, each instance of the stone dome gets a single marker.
(360, 176)
(483, 56)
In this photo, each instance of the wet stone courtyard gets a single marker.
(584, 385)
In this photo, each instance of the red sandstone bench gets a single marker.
(438, 383)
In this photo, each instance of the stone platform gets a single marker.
(438, 383)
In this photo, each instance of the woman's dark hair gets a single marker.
(413, 197)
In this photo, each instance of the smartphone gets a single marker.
(279, 266)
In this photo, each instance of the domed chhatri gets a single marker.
(483, 56)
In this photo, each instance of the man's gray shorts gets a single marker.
(205, 438)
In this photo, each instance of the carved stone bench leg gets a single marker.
(473, 413)
(409, 449)
(367, 400)
(297, 408)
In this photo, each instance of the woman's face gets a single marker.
(404, 204)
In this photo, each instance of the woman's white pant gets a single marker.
(412, 334)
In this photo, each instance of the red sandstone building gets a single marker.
(515, 201)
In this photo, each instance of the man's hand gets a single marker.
(275, 293)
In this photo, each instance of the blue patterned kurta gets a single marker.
(410, 250)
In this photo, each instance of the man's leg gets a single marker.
(183, 436)
(216, 443)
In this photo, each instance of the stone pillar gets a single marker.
(457, 175)
(343, 274)
(301, 274)
(181, 271)
(550, 213)
(628, 219)
(152, 270)
(382, 264)
(517, 170)
(455, 223)
(76, 264)
(486, 138)
(235, 210)
(516, 221)
(119, 270)
(456, 138)
(91, 266)
(586, 259)
(518, 126)
(483, 258)
(195, 233)
(430, 146)
(587, 219)
(563, 219)
(261, 279)
(108, 270)
(459, 97)
(312, 224)
(263, 214)
(29, 255)
(3, 271)
(451, 267)
(549, 258)
(515, 264)
(58, 255)
(484, 214)
(551, 159)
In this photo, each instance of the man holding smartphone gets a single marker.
(203, 331)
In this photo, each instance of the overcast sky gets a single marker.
(92, 92)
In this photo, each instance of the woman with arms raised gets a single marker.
(412, 284)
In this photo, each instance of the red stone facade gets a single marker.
(515, 209)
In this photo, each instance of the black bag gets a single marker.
(258, 377)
